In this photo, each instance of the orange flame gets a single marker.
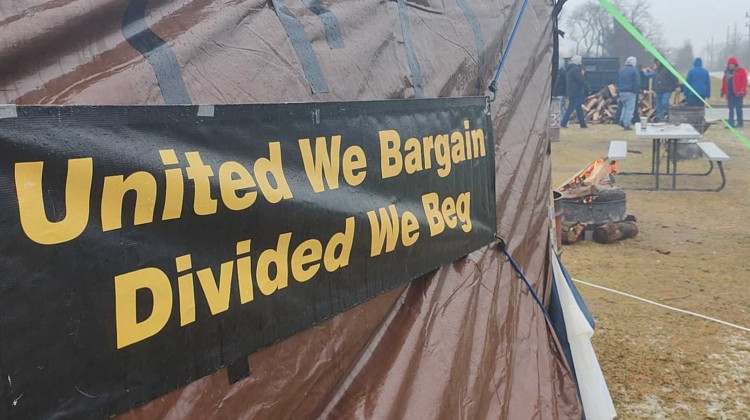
(582, 176)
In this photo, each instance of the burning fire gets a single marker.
(598, 173)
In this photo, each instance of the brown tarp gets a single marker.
(465, 342)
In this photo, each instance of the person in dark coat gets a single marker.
(700, 81)
(628, 86)
(576, 89)
(664, 84)
(646, 75)
(560, 86)
(734, 88)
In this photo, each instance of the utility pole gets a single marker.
(712, 53)
(726, 51)
(736, 40)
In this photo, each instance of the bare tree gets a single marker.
(638, 12)
(588, 25)
(683, 58)
(595, 33)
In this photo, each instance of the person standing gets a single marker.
(734, 88)
(576, 90)
(664, 84)
(628, 86)
(646, 75)
(560, 86)
(700, 81)
(643, 87)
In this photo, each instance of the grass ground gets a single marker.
(693, 252)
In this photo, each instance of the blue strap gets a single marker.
(493, 85)
(531, 289)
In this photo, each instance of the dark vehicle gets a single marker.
(600, 71)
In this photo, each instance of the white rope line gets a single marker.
(728, 324)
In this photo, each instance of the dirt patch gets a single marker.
(693, 253)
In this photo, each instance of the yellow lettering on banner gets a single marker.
(200, 173)
(321, 163)
(244, 273)
(431, 205)
(477, 137)
(186, 289)
(467, 140)
(409, 229)
(429, 145)
(463, 207)
(342, 242)
(308, 252)
(128, 329)
(385, 234)
(217, 296)
(413, 157)
(391, 162)
(354, 160)
(175, 186)
(34, 219)
(272, 166)
(457, 147)
(442, 155)
(449, 212)
(230, 185)
(115, 188)
(279, 258)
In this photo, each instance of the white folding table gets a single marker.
(671, 134)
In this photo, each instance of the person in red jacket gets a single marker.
(734, 88)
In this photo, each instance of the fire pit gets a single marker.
(603, 209)
(592, 203)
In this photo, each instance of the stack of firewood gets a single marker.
(601, 107)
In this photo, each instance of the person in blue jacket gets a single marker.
(628, 86)
(699, 79)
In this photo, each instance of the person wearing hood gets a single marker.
(700, 81)
(664, 84)
(576, 88)
(628, 86)
(560, 86)
(734, 88)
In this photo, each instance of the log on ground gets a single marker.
(615, 231)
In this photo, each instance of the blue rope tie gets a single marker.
(531, 289)
(493, 85)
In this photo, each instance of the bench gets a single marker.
(715, 154)
(618, 150)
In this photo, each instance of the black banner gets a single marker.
(144, 247)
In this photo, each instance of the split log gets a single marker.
(601, 171)
(590, 103)
(604, 93)
(609, 194)
(611, 232)
(580, 192)
(573, 234)
(612, 91)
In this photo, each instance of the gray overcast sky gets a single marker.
(696, 20)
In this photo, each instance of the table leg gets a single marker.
(656, 162)
(673, 154)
